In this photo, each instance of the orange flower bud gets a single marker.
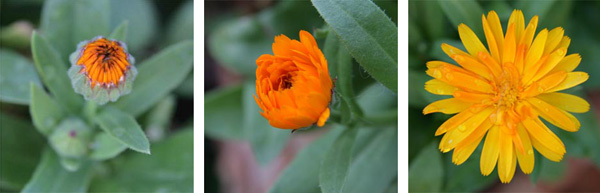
(293, 87)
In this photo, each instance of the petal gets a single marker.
(568, 63)
(491, 39)
(536, 51)
(473, 97)
(572, 79)
(462, 153)
(527, 36)
(510, 45)
(454, 121)
(543, 135)
(564, 43)
(526, 158)
(554, 115)
(281, 46)
(505, 159)
(472, 65)
(490, 152)
(546, 152)
(458, 77)
(470, 40)
(518, 20)
(323, 118)
(447, 106)
(455, 136)
(544, 84)
(567, 102)
(451, 50)
(496, 28)
(438, 87)
(554, 37)
(552, 61)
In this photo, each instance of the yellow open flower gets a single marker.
(293, 87)
(503, 91)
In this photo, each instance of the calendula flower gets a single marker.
(102, 70)
(293, 87)
(503, 90)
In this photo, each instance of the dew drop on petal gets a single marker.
(462, 127)
(437, 74)
(449, 141)
(530, 152)
(449, 76)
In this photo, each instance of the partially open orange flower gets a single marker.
(102, 70)
(293, 87)
(502, 91)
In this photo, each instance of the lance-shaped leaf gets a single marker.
(124, 128)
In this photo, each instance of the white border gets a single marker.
(199, 96)
(403, 96)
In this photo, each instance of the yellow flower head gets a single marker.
(293, 86)
(503, 90)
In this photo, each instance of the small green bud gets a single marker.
(71, 138)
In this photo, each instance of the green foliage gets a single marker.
(16, 72)
(158, 76)
(53, 72)
(172, 159)
(21, 146)
(336, 163)
(368, 34)
(45, 112)
(426, 172)
(124, 128)
(143, 22)
(106, 147)
(50, 176)
(219, 107)
(464, 11)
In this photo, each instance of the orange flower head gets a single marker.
(501, 92)
(293, 87)
(102, 70)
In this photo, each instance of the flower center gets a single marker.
(507, 94)
(285, 82)
(105, 62)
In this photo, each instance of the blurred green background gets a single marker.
(432, 23)
(153, 26)
(245, 154)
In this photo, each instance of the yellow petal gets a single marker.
(470, 40)
(551, 155)
(552, 61)
(572, 79)
(324, 116)
(451, 50)
(491, 39)
(462, 153)
(472, 65)
(554, 38)
(518, 20)
(544, 84)
(564, 43)
(527, 36)
(536, 51)
(526, 158)
(440, 88)
(455, 136)
(496, 28)
(490, 152)
(472, 97)
(542, 134)
(447, 106)
(458, 77)
(510, 45)
(567, 102)
(554, 115)
(505, 158)
(568, 63)
(456, 120)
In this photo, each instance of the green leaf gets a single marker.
(302, 175)
(531, 8)
(159, 118)
(169, 169)
(220, 107)
(246, 37)
(375, 168)
(106, 147)
(45, 112)
(54, 74)
(464, 11)
(66, 23)
(20, 147)
(426, 172)
(16, 72)
(181, 25)
(368, 34)
(429, 17)
(143, 22)
(50, 176)
(377, 98)
(335, 166)
(123, 127)
(157, 76)
(266, 141)
(467, 176)
(120, 33)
